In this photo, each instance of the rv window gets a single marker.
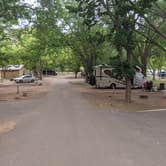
(108, 72)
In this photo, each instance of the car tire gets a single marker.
(32, 81)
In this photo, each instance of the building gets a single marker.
(12, 71)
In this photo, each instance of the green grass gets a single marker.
(157, 82)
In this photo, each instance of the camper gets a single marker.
(103, 78)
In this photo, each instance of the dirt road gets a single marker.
(63, 129)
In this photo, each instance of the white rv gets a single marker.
(103, 77)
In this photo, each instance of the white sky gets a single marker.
(30, 1)
(34, 3)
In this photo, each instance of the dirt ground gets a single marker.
(114, 99)
(102, 98)
(9, 90)
(6, 126)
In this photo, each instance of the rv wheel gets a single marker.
(113, 86)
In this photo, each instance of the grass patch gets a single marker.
(157, 82)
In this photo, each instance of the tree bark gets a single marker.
(128, 90)
(40, 69)
(121, 55)
(154, 74)
(86, 74)
(75, 73)
(144, 58)
(128, 81)
(4, 72)
(156, 29)
(88, 65)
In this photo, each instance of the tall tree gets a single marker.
(47, 31)
(84, 39)
(124, 16)
(11, 13)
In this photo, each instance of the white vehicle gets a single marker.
(103, 77)
(25, 79)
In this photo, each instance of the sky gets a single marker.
(24, 22)
(31, 2)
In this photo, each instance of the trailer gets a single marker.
(103, 77)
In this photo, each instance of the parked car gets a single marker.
(49, 72)
(162, 74)
(25, 79)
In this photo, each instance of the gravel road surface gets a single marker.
(63, 129)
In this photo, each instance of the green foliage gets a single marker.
(123, 70)
(10, 14)
(86, 32)
(106, 54)
(11, 11)
(157, 59)
(4, 59)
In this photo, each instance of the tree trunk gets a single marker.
(40, 69)
(4, 72)
(75, 73)
(121, 55)
(88, 69)
(144, 59)
(86, 74)
(154, 74)
(128, 81)
(128, 90)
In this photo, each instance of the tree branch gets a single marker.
(151, 40)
